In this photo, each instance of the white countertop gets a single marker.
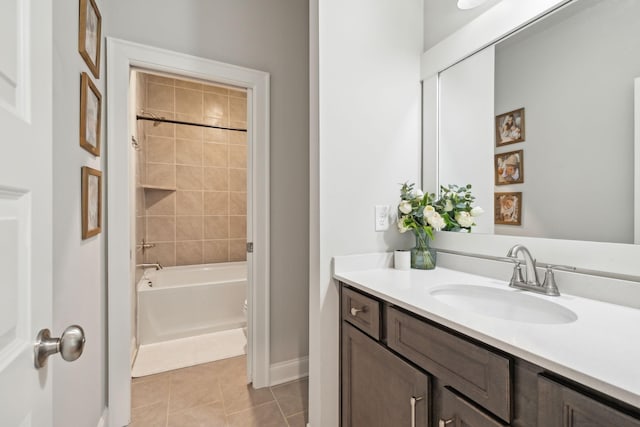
(601, 349)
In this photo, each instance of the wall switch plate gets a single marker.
(382, 217)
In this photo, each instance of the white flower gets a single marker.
(436, 221)
(428, 211)
(477, 211)
(448, 206)
(401, 226)
(416, 194)
(405, 206)
(464, 219)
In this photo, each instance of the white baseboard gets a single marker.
(104, 418)
(289, 370)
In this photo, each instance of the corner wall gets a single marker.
(367, 143)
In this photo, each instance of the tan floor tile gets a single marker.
(238, 397)
(267, 415)
(149, 416)
(298, 420)
(211, 415)
(150, 392)
(292, 397)
(231, 371)
(191, 387)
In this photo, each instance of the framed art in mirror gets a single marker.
(91, 202)
(89, 35)
(90, 115)
(510, 127)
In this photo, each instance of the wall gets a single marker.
(273, 37)
(79, 285)
(203, 219)
(578, 96)
(366, 141)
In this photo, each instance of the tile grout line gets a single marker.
(286, 421)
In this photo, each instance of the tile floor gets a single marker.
(215, 394)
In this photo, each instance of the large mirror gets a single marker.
(542, 125)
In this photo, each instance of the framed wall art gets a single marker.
(91, 202)
(90, 115)
(510, 127)
(509, 168)
(508, 208)
(89, 35)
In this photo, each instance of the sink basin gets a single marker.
(503, 304)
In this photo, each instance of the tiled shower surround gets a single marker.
(195, 178)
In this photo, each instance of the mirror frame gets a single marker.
(613, 259)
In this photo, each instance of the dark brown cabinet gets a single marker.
(378, 388)
(398, 369)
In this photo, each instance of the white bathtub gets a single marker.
(179, 302)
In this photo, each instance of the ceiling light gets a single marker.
(469, 4)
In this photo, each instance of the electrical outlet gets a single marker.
(382, 217)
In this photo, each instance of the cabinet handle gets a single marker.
(355, 311)
(413, 401)
(444, 423)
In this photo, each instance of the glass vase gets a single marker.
(423, 257)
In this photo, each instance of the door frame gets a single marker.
(122, 56)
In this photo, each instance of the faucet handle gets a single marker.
(517, 273)
(560, 267)
(549, 284)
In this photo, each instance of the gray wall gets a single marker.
(574, 76)
(79, 285)
(270, 36)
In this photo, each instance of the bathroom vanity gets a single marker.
(410, 359)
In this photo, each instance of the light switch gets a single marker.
(382, 217)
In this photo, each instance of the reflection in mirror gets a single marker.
(573, 74)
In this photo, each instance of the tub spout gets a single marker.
(156, 265)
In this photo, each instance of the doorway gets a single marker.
(123, 57)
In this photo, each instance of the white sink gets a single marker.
(503, 304)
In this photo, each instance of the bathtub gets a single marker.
(180, 302)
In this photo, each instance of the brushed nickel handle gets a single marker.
(444, 423)
(70, 345)
(355, 311)
(412, 402)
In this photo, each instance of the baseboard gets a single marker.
(289, 370)
(104, 418)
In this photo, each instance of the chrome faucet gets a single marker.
(156, 265)
(530, 282)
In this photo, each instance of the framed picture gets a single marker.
(508, 208)
(510, 127)
(89, 36)
(90, 115)
(91, 202)
(509, 168)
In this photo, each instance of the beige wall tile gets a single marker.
(216, 227)
(237, 156)
(164, 253)
(237, 125)
(161, 228)
(238, 250)
(189, 253)
(160, 129)
(152, 78)
(161, 149)
(238, 226)
(190, 118)
(237, 179)
(216, 179)
(189, 132)
(216, 89)
(216, 135)
(216, 106)
(238, 93)
(189, 102)
(237, 203)
(236, 137)
(189, 84)
(161, 175)
(237, 109)
(188, 152)
(160, 202)
(189, 202)
(141, 228)
(188, 177)
(160, 97)
(189, 228)
(215, 154)
(216, 251)
(216, 203)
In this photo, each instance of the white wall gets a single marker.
(267, 36)
(78, 265)
(368, 120)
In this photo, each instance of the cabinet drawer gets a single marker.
(561, 406)
(478, 373)
(361, 311)
(456, 411)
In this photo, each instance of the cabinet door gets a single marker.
(457, 412)
(378, 388)
(560, 406)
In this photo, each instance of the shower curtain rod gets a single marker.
(180, 122)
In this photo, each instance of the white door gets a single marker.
(25, 208)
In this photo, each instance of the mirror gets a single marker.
(563, 166)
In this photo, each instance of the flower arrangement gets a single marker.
(453, 211)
